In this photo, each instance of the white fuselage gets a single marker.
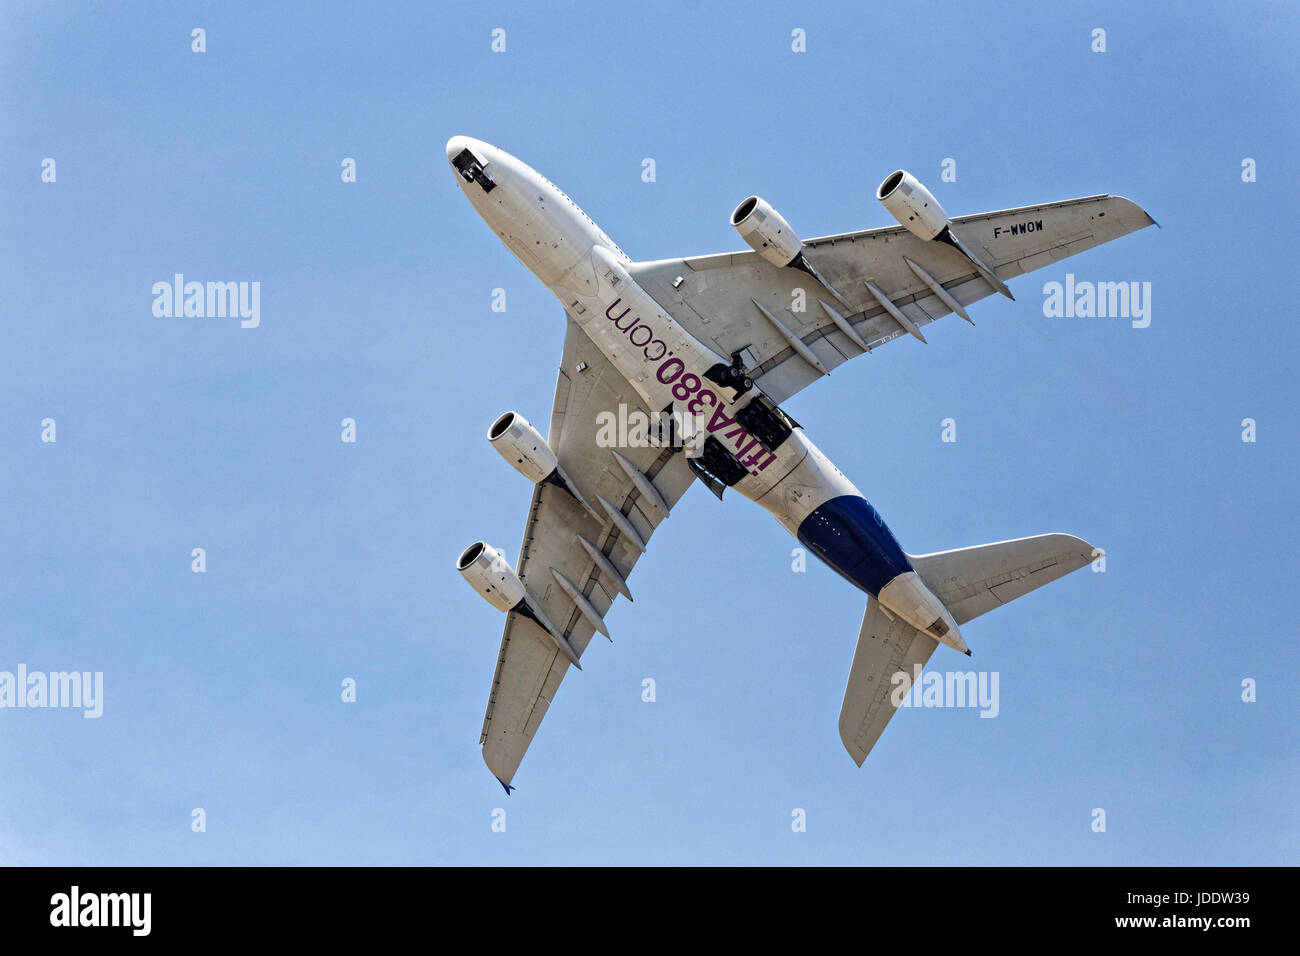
(666, 365)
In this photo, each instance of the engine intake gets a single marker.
(766, 232)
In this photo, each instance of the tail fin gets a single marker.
(973, 581)
(969, 581)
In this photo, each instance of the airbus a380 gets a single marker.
(711, 346)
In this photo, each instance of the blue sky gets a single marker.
(328, 560)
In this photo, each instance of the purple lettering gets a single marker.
(664, 378)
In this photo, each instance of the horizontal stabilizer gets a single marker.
(970, 582)
(973, 581)
(886, 646)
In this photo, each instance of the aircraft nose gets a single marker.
(455, 145)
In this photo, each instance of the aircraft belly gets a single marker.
(810, 484)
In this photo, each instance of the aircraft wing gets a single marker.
(714, 296)
(529, 665)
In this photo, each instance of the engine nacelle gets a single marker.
(523, 446)
(911, 204)
(488, 573)
(766, 232)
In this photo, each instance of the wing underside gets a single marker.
(560, 536)
(718, 297)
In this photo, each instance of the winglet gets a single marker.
(506, 785)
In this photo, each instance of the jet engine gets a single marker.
(519, 443)
(488, 573)
(912, 205)
(526, 450)
(919, 213)
(766, 232)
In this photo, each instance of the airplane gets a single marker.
(724, 340)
